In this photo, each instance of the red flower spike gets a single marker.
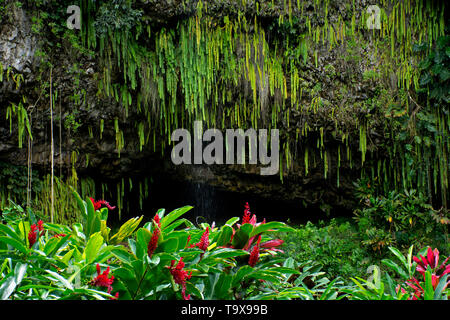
(180, 276)
(32, 234)
(254, 255)
(102, 279)
(157, 219)
(40, 226)
(153, 243)
(204, 240)
(246, 217)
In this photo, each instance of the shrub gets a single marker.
(334, 246)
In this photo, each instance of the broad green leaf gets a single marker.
(242, 235)
(232, 221)
(241, 274)
(273, 225)
(65, 259)
(264, 275)
(58, 278)
(168, 245)
(93, 223)
(7, 287)
(81, 204)
(126, 230)
(172, 216)
(10, 232)
(429, 291)
(440, 287)
(143, 237)
(391, 264)
(92, 247)
(122, 254)
(193, 290)
(14, 243)
(400, 256)
(226, 253)
(19, 272)
(178, 223)
(50, 245)
(225, 235)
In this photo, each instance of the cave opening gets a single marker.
(211, 204)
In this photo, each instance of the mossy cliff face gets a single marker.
(342, 95)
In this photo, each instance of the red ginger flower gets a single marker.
(32, 235)
(153, 243)
(204, 240)
(102, 279)
(98, 204)
(254, 255)
(246, 217)
(180, 276)
(40, 226)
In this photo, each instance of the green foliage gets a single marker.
(435, 73)
(383, 286)
(116, 15)
(14, 181)
(335, 246)
(397, 219)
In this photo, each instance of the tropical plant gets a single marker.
(167, 258)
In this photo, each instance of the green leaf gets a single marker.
(123, 254)
(399, 255)
(19, 272)
(50, 245)
(168, 245)
(226, 253)
(126, 230)
(241, 274)
(264, 275)
(143, 237)
(429, 291)
(93, 223)
(92, 247)
(14, 243)
(8, 231)
(225, 235)
(81, 204)
(440, 287)
(242, 235)
(232, 221)
(391, 264)
(7, 288)
(58, 278)
(174, 215)
(270, 226)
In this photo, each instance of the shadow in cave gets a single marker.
(213, 204)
